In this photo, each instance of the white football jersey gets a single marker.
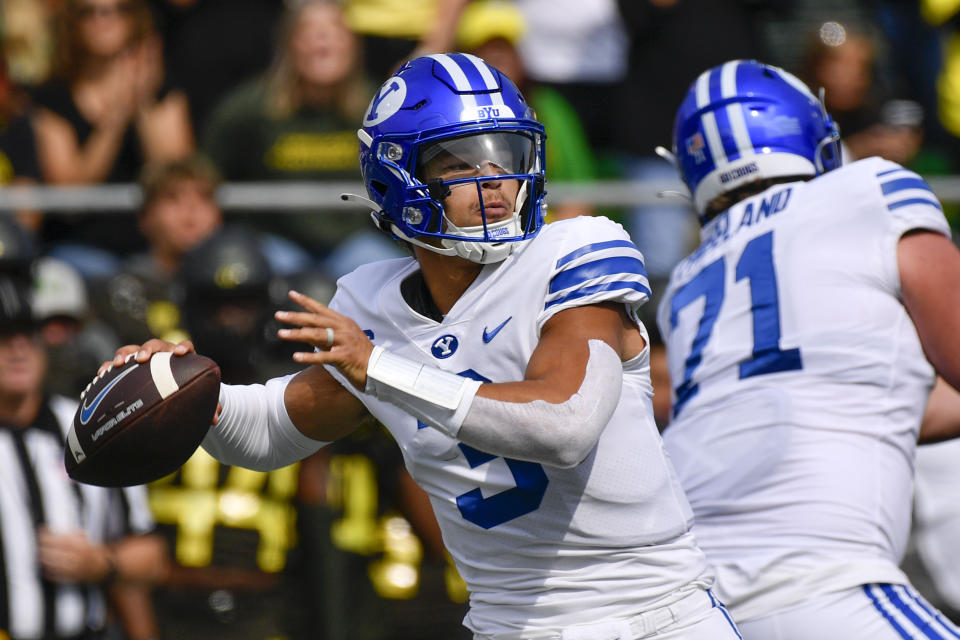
(799, 384)
(540, 548)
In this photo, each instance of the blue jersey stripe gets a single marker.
(899, 184)
(911, 615)
(597, 246)
(889, 171)
(868, 589)
(614, 265)
(923, 605)
(598, 288)
(906, 203)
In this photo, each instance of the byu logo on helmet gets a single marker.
(386, 102)
(444, 346)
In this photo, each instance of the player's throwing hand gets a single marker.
(337, 338)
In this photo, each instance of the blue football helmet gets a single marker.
(744, 121)
(452, 114)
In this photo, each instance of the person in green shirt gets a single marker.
(298, 123)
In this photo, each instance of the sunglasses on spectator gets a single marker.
(105, 11)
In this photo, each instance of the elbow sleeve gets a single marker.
(255, 431)
(559, 435)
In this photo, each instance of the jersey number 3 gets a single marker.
(756, 266)
(512, 503)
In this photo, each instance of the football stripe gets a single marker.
(73, 443)
(162, 374)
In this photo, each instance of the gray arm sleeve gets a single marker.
(255, 431)
(559, 435)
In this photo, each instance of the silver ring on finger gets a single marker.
(329, 338)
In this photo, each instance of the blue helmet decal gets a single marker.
(433, 101)
(743, 121)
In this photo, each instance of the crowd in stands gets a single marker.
(181, 96)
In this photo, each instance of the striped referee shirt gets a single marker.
(36, 491)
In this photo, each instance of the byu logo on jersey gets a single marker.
(444, 346)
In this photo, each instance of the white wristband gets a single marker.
(439, 398)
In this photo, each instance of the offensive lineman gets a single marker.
(796, 337)
(510, 367)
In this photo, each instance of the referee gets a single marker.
(69, 553)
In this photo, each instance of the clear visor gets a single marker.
(492, 153)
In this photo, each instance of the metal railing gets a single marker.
(288, 196)
(325, 196)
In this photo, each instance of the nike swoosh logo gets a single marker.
(490, 335)
(87, 412)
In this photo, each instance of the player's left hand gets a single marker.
(338, 339)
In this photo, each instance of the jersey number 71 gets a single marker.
(756, 266)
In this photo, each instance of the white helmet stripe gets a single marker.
(738, 125)
(489, 80)
(459, 79)
(709, 120)
(793, 81)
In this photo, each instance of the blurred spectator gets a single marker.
(27, 41)
(76, 340)
(491, 29)
(177, 213)
(67, 546)
(298, 122)
(108, 110)
(18, 150)
(223, 288)
(18, 154)
(843, 61)
(395, 30)
(105, 113)
(211, 46)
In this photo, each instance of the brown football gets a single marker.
(141, 421)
